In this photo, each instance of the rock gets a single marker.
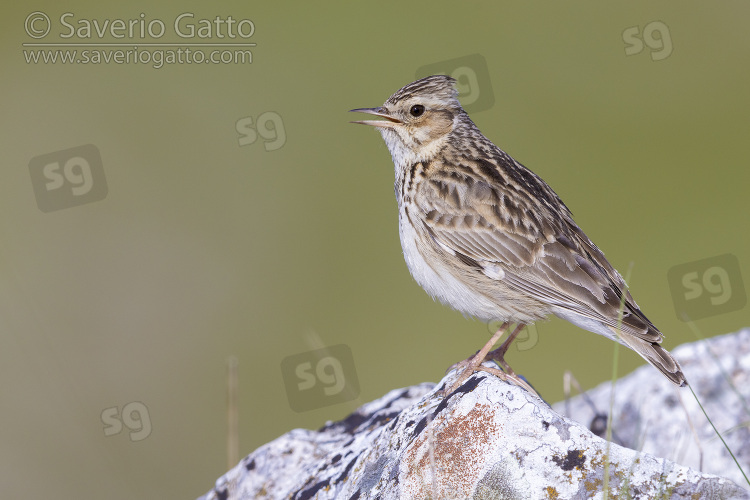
(652, 415)
(487, 440)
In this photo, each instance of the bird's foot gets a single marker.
(510, 377)
(473, 364)
(462, 364)
(465, 369)
(470, 364)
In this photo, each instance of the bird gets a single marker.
(486, 236)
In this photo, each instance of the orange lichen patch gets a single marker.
(592, 480)
(551, 492)
(460, 444)
(593, 485)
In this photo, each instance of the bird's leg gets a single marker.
(498, 355)
(507, 373)
(472, 363)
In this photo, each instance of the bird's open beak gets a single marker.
(389, 121)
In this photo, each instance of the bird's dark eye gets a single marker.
(416, 110)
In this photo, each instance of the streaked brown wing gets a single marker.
(539, 247)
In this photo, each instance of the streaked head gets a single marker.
(417, 119)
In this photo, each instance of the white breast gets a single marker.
(439, 282)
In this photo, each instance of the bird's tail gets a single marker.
(657, 356)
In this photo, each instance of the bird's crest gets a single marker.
(438, 87)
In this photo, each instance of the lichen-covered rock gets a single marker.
(487, 440)
(652, 415)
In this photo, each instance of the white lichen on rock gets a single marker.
(487, 440)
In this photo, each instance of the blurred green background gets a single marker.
(204, 248)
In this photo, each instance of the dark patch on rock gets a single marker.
(222, 494)
(336, 458)
(403, 394)
(310, 492)
(345, 474)
(348, 425)
(420, 427)
(545, 425)
(394, 423)
(443, 404)
(573, 460)
(355, 421)
(468, 386)
(250, 465)
(379, 418)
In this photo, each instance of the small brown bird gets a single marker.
(486, 236)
